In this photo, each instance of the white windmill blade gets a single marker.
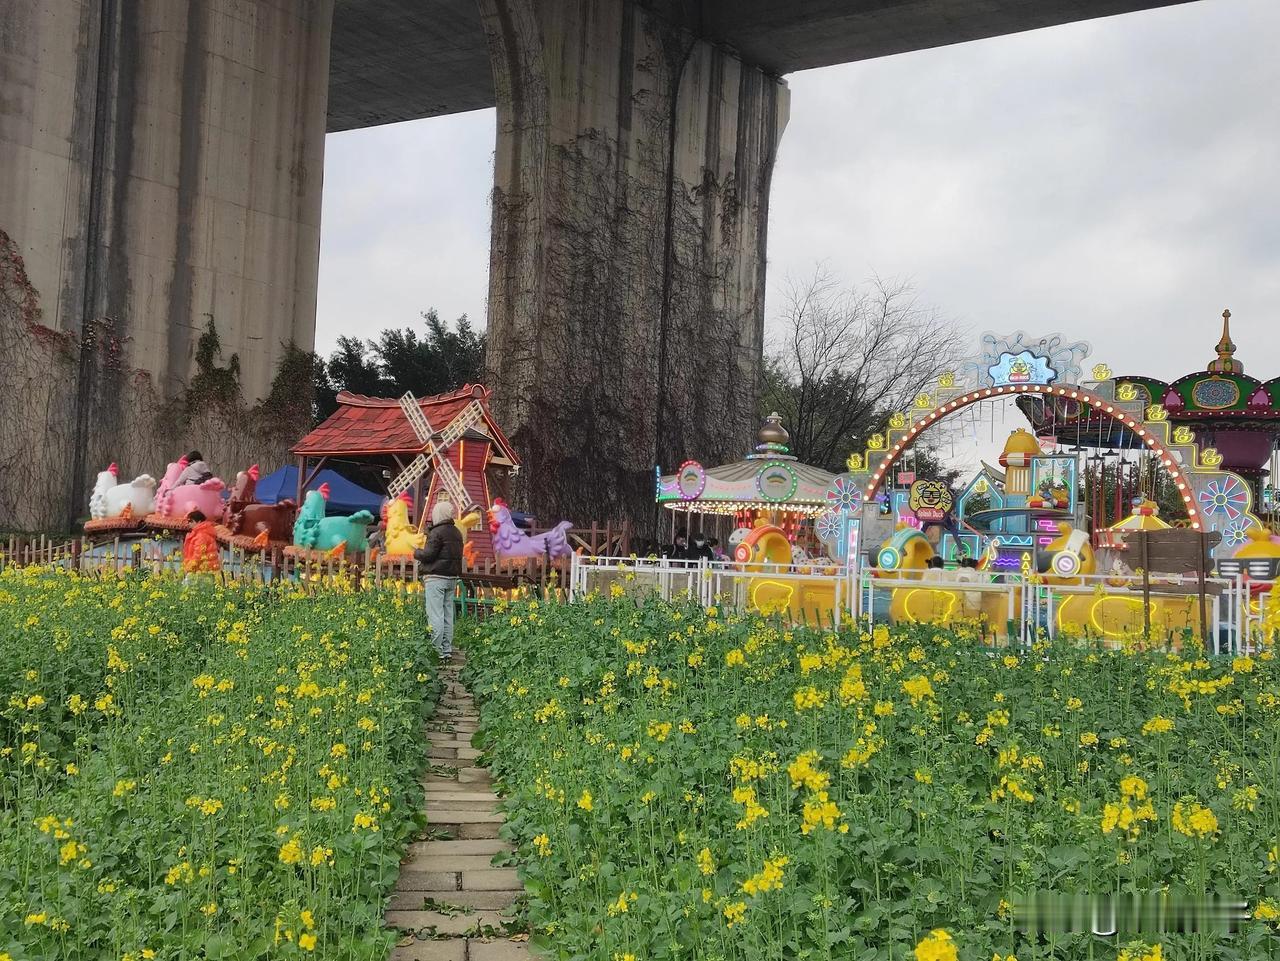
(406, 478)
(452, 484)
(435, 453)
(417, 419)
(468, 417)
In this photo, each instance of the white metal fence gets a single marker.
(1014, 608)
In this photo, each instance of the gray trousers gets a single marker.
(438, 593)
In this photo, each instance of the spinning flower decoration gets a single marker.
(1236, 533)
(1228, 497)
(844, 495)
(829, 528)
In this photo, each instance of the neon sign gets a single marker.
(1023, 367)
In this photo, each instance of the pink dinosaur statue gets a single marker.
(510, 541)
(174, 501)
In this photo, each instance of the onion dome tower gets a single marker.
(772, 440)
(1228, 410)
(1226, 362)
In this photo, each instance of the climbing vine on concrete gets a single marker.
(127, 420)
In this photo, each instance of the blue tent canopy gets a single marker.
(344, 496)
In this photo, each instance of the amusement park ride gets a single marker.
(446, 446)
(1054, 510)
(1121, 490)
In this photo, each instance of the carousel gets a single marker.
(793, 528)
(768, 486)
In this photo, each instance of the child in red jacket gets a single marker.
(200, 553)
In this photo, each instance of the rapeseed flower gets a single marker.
(1194, 820)
(937, 945)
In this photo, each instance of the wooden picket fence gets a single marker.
(480, 587)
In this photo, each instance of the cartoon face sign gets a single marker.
(691, 480)
(930, 500)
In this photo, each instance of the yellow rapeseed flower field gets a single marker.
(204, 771)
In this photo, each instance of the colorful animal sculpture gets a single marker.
(1260, 556)
(905, 556)
(111, 499)
(265, 523)
(509, 541)
(764, 552)
(906, 553)
(179, 501)
(762, 547)
(402, 537)
(315, 531)
(1107, 611)
(1070, 557)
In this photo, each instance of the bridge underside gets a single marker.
(398, 60)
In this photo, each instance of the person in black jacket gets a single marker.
(699, 549)
(441, 560)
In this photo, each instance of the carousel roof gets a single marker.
(769, 478)
(1222, 389)
(1221, 392)
(1145, 517)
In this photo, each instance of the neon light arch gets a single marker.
(1137, 424)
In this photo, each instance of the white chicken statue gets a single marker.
(110, 499)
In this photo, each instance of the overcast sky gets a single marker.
(1116, 180)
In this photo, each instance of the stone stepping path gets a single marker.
(451, 901)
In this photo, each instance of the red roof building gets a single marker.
(373, 432)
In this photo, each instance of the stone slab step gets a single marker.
(457, 949)
(497, 950)
(441, 794)
(439, 814)
(492, 879)
(429, 882)
(449, 746)
(450, 743)
(434, 861)
(470, 831)
(454, 925)
(475, 900)
(451, 950)
(473, 775)
(480, 879)
(489, 846)
(467, 832)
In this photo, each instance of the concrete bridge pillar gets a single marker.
(162, 166)
(626, 285)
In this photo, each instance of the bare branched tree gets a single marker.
(843, 358)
